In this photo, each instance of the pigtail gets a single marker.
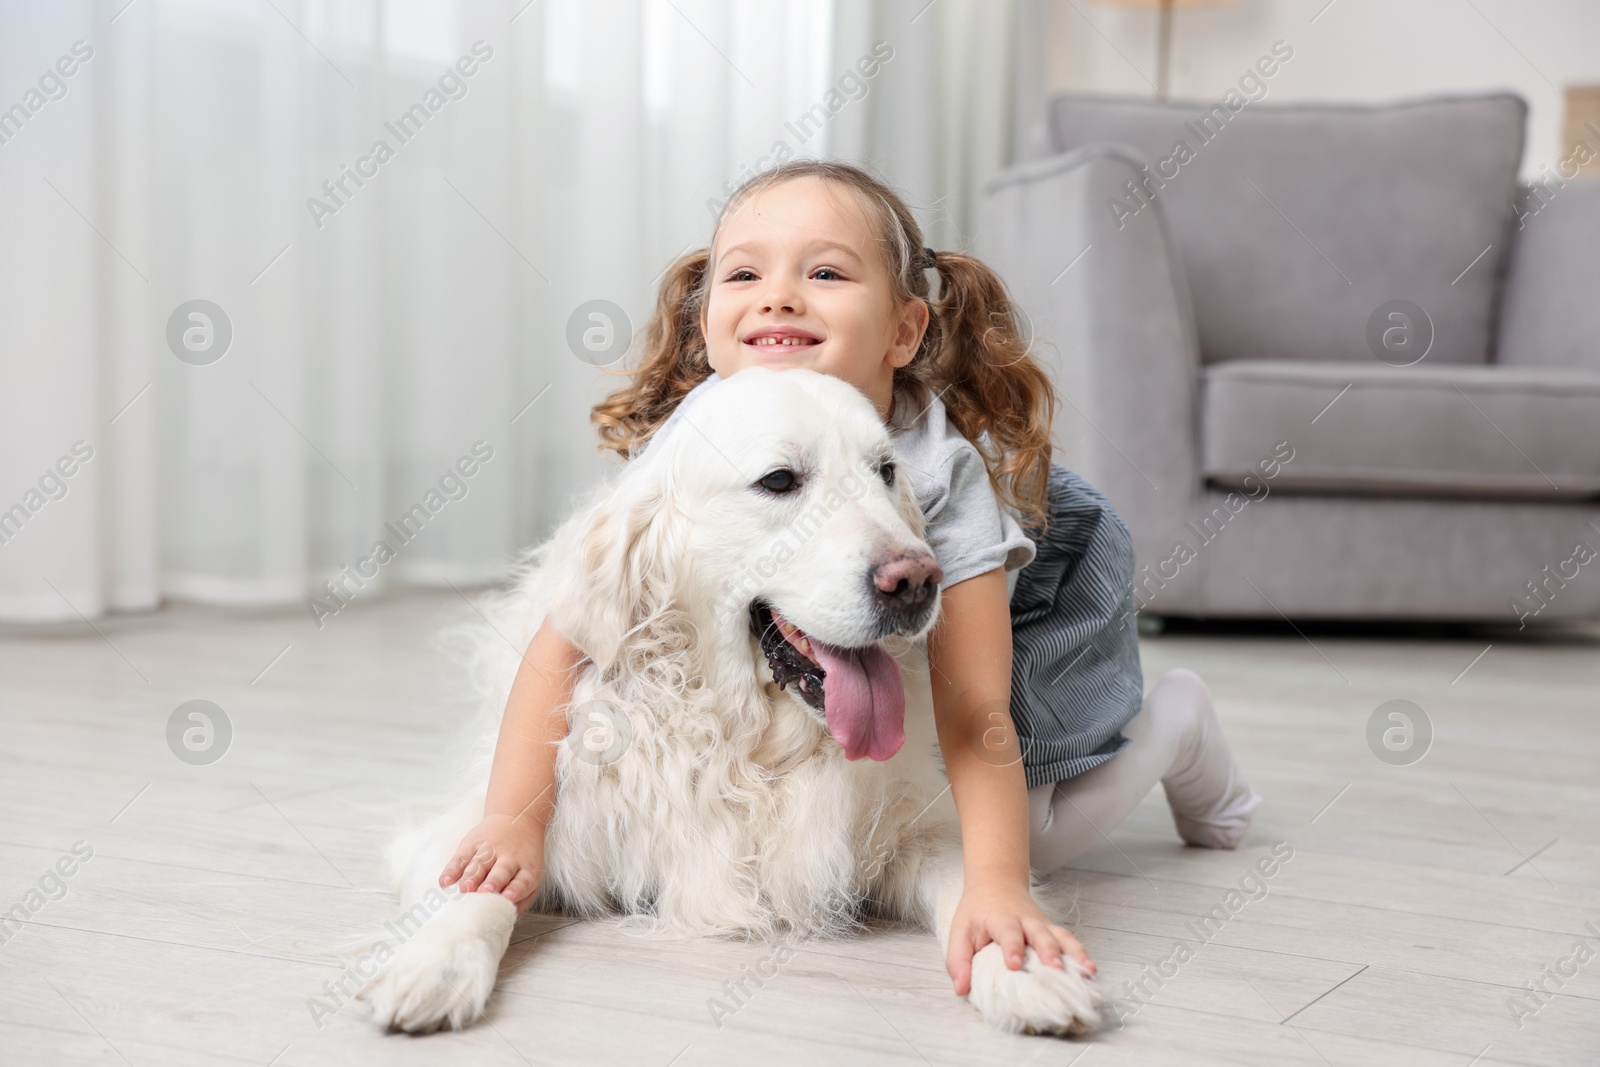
(995, 394)
(672, 362)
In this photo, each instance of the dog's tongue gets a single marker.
(864, 698)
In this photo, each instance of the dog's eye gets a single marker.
(780, 481)
(886, 472)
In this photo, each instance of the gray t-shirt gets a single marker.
(970, 531)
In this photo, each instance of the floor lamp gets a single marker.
(1163, 32)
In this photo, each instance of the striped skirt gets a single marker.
(1075, 675)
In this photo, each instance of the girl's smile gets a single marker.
(781, 337)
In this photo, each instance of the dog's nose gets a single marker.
(906, 581)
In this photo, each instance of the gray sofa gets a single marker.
(1327, 361)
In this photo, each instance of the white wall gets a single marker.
(1354, 50)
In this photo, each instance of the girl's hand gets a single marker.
(499, 855)
(990, 911)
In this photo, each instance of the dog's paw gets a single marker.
(442, 977)
(1038, 998)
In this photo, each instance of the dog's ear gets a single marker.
(612, 563)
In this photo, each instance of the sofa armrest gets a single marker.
(1548, 315)
(1113, 325)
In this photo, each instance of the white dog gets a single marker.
(753, 594)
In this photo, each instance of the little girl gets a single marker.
(819, 265)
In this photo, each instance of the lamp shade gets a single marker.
(1580, 139)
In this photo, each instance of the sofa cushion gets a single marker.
(1369, 428)
(1297, 222)
(1549, 315)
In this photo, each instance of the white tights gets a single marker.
(1175, 740)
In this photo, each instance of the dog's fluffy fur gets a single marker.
(718, 803)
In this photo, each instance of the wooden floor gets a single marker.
(1418, 903)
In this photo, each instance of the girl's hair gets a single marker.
(972, 355)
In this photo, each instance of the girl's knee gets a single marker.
(1177, 702)
(1183, 678)
(1182, 688)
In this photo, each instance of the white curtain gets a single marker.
(389, 213)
